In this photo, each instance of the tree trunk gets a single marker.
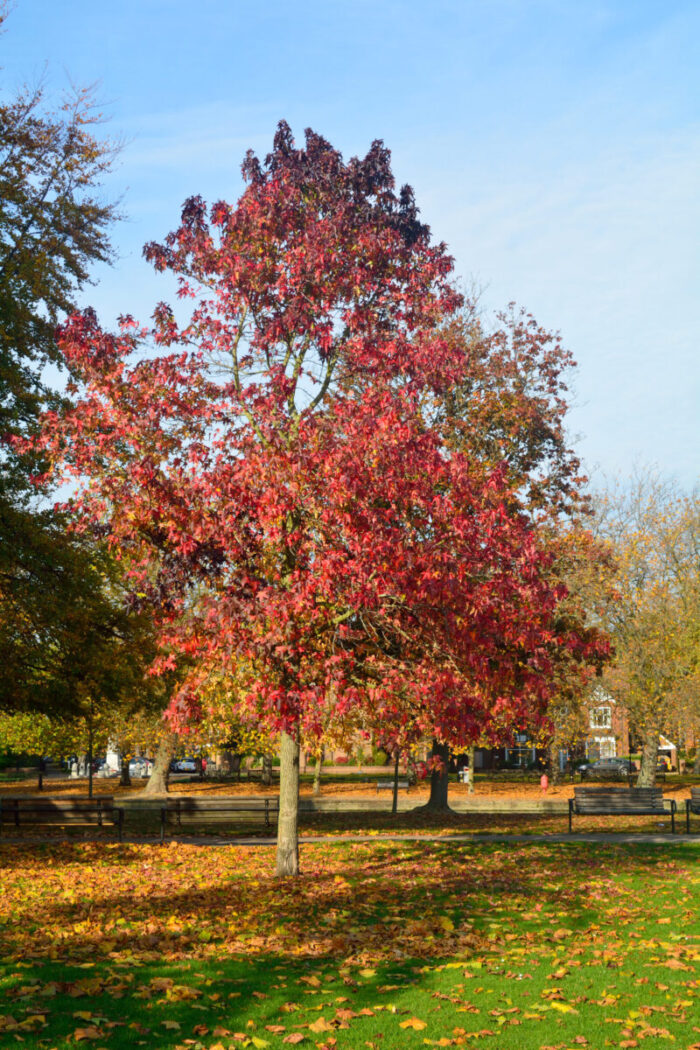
(89, 758)
(439, 780)
(125, 778)
(395, 792)
(470, 771)
(267, 768)
(160, 777)
(317, 773)
(650, 754)
(288, 824)
(696, 763)
(554, 770)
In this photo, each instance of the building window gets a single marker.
(601, 718)
(601, 747)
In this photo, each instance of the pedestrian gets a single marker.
(544, 783)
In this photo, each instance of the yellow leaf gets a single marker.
(367, 973)
(321, 1026)
(446, 923)
(563, 1008)
(413, 1022)
(170, 1025)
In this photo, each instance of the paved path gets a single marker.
(611, 838)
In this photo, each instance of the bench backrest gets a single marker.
(56, 810)
(66, 804)
(191, 804)
(597, 798)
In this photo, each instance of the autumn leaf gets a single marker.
(413, 1022)
(321, 1025)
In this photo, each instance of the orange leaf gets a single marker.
(413, 1022)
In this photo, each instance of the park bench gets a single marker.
(189, 813)
(692, 805)
(69, 811)
(388, 785)
(614, 802)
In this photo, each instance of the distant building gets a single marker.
(608, 733)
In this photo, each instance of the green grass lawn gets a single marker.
(376, 945)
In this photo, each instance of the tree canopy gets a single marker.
(53, 228)
(279, 473)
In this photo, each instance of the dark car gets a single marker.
(606, 767)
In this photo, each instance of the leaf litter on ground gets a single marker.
(403, 944)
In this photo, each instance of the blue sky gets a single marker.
(553, 144)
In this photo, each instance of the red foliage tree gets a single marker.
(294, 516)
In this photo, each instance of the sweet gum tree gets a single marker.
(276, 469)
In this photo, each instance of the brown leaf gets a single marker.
(87, 1033)
(294, 1037)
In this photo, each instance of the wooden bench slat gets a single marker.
(66, 811)
(619, 801)
(692, 805)
(191, 811)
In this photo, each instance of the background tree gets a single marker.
(53, 227)
(508, 410)
(655, 615)
(88, 684)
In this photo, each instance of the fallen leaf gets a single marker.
(321, 1025)
(413, 1022)
(87, 1033)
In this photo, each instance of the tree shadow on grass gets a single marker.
(87, 902)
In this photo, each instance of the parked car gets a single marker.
(140, 767)
(184, 765)
(606, 767)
